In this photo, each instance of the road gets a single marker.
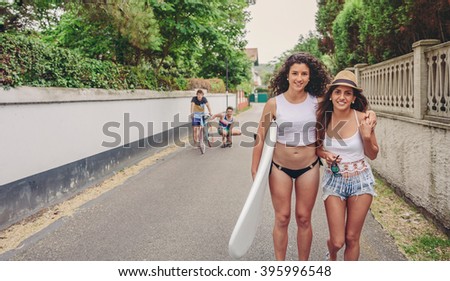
(183, 207)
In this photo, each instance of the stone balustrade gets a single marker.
(411, 96)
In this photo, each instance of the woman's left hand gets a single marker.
(366, 128)
(371, 118)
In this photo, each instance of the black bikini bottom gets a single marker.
(295, 173)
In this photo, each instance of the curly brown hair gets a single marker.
(319, 76)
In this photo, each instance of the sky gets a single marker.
(276, 25)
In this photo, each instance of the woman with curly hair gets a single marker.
(297, 87)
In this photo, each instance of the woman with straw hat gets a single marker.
(345, 138)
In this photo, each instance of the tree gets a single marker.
(135, 20)
(175, 39)
(326, 14)
(203, 35)
(308, 44)
(389, 28)
(26, 15)
(376, 30)
(382, 22)
(346, 34)
(123, 31)
(181, 22)
(425, 19)
(223, 48)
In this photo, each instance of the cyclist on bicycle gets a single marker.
(198, 113)
(226, 126)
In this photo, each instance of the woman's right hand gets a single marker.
(253, 174)
(331, 157)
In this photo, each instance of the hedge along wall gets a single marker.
(57, 141)
(29, 61)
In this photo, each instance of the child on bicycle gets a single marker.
(226, 126)
(198, 113)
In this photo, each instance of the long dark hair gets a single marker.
(318, 74)
(326, 108)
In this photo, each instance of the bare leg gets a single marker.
(358, 206)
(235, 132)
(196, 133)
(335, 209)
(306, 187)
(224, 137)
(281, 191)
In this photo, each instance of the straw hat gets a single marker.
(345, 78)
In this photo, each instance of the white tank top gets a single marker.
(350, 149)
(296, 122)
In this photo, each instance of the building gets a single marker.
(252, 54)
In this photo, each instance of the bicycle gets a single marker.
(203, 134)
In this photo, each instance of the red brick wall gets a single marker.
(242, 101)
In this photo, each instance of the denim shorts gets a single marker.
(348, 183)
(198, 119)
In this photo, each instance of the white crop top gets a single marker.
(296, 121)
(350, 149)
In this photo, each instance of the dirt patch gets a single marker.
(11, 237)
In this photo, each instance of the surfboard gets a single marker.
(247, 224)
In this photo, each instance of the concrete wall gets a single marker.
(56, 141)
(415, 158)
(415, 155)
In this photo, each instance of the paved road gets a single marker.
(181, 208)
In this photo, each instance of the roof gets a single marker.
(252, 54)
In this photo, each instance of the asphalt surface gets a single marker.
(183, 208)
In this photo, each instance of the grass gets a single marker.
(416, 237)
(429, 247)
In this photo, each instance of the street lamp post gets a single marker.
(226, 81)
(226, 75)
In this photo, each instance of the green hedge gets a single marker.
(262, 90)
(29, 61)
